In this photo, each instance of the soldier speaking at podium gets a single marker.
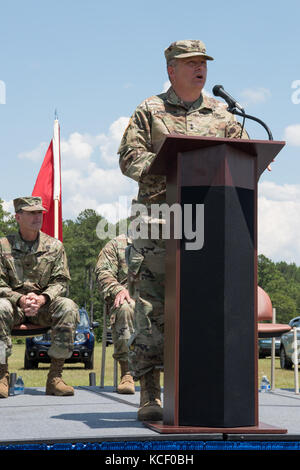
(33, 281)
(184, 109)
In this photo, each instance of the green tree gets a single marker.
(281, 282)
(82, 247)
(266, 270)
(8, 223)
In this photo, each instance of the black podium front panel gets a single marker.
(217, 319)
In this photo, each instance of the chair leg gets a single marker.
(104, 336)
(115, 375)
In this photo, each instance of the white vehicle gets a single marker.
(287, 346)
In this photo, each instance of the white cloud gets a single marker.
(36, 154)
(104, 185)
(117, 210)
(276, 192)
(113, 211)
(292, 134)
(254, 95)
(79, 149)
(279, 221)
(76, 147)
(8, 206)
(108, 144)
(91, 177)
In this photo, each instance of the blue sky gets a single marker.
(95, 61)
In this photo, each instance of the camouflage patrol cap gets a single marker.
(187, 48)
(29, 203)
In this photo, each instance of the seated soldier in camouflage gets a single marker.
(111, 272)
(33, 281)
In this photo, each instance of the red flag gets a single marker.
(44, 188)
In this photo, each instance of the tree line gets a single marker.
(280, 280)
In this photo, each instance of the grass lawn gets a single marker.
(76, 374)
(73, 374)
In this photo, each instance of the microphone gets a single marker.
(233, 107)
(218, 90)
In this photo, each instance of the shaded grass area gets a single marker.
(73, 374)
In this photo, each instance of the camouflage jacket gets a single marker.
(40, 267)
(166, 114)
(111, 269)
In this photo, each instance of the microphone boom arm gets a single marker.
(234, 110)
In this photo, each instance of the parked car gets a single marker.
(36, 350)
(286, 345)
(265, 347)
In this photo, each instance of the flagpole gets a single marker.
(56, 183)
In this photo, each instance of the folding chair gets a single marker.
(26, 329)
(29, 329)
(266, 312)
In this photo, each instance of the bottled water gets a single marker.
(265, 384)
(19, 386)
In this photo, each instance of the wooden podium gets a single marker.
(210, 356)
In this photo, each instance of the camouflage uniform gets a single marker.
(153, 119)
(111, 271)
(39, 267)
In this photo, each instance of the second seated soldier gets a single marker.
(184, 109)
(34, 276)
(111, 271)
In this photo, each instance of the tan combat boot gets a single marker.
(55, 385)
(150, 403)
(126, 386)
(4, 381)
